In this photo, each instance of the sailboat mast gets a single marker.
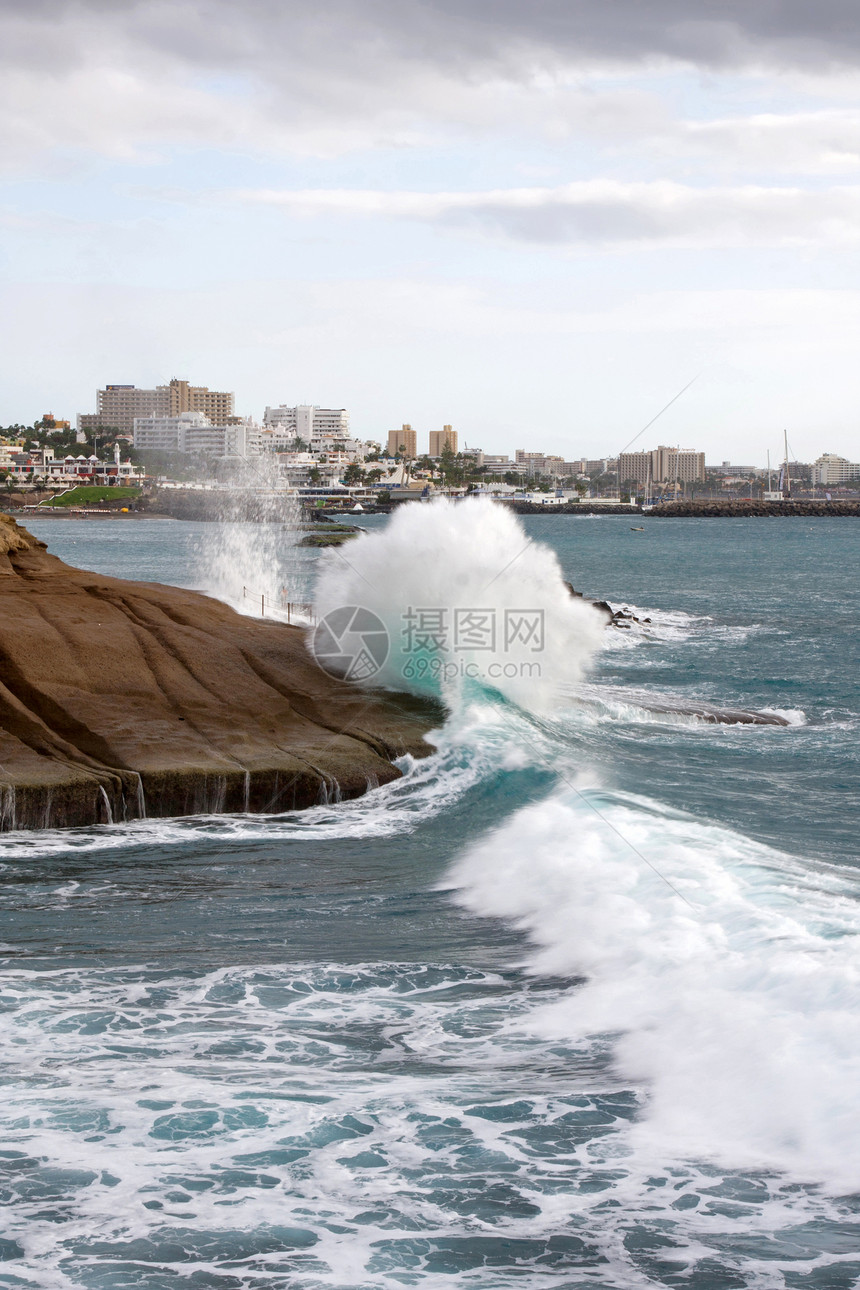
(786, 483)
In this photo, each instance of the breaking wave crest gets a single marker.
(725, 975)
(467, 600)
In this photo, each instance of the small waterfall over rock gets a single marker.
(106, 804)
(7, 807)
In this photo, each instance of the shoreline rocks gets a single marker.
(622, 618)
(122, 699)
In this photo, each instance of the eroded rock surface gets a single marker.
(119, 699)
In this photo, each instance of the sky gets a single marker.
(535, 220)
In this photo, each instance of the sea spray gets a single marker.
(463, 599)
(248, 558)
(726, 977)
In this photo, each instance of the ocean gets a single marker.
(574, 1003)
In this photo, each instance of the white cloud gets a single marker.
(825, 141)
(282, 75)
(608, 213)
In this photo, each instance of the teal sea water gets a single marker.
(574, 1003)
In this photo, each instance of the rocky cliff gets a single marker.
(122, 699)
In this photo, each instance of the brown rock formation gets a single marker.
(119, 699)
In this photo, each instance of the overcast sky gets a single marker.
(534, 219)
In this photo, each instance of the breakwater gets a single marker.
(750, 509)
(570, 508)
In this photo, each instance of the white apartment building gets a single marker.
(40, 463)
(277, 441)
(830, 469)
(307, 422)
(494, 463)
(295, 469)
(194, 432)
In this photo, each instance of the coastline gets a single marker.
(124, 699)
(209, 507)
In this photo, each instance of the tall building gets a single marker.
(661, 466)
(307, 422)
(404, 438)
(119, 405)
(830, 469)
(214, 404)
(442, 439)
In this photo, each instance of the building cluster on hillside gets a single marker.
(313, 447)
(22, 462)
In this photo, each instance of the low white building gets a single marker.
(41, 464)
(194, 432)
(830, 469)
(279, 441)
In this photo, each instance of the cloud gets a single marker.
(607, 213)
(826, 141)
(121, 78)
(508, 36)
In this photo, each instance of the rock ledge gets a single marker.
(122, 699)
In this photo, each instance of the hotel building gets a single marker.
(404, 438)
(442, 439)
(119, 405)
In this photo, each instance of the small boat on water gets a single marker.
(639, 528)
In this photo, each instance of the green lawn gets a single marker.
(88, 494)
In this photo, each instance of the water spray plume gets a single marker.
(248, 558)
(467, 600)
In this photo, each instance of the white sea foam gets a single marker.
(665, 626)
(433, 566)
(380, 1112)
(727, 975)
(794, 716)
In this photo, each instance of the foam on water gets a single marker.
(726, 975)
(662, 626)
(369, 1125)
